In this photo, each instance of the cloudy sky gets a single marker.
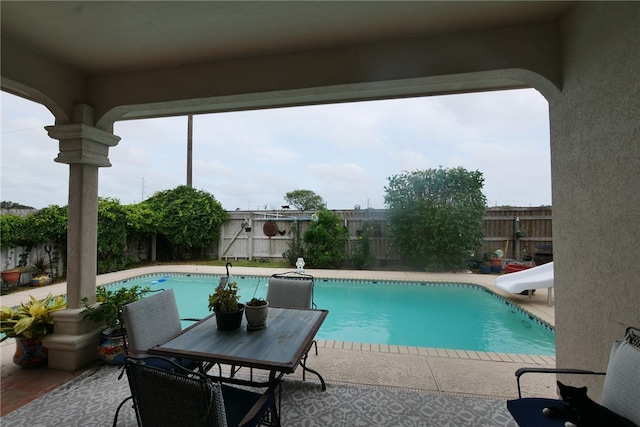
(344, 152)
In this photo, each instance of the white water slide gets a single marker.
(539, 277)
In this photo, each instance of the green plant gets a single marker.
(225, 299)
(435, 216)
(325, 241)
(109, 311)
(39, 266)
(45, 226)
(12, 231)
(24, 257)
(32, 319)
(296, 246)
(256, 302)
(362, 256)
(112, 236)
(190, 219)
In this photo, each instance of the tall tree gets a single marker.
(305, 200)
(435, 216)
(325, 241)
(190, 219)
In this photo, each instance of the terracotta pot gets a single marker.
(11, 277)
(229, 321)
(30, 352)
(256, 316)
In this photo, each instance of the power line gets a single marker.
(21, 130)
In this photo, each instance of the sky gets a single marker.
(344, 152)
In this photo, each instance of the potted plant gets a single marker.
(496, 261)
(10, 276)
(28, 323)
(256, 311)
(108, 311)
(485, 267)
(40, 275)
(224, 303)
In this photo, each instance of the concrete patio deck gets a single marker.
(454, 372)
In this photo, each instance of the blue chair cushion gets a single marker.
(238, 402)
(528, 412)
(162, 364)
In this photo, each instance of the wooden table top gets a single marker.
(278, 347)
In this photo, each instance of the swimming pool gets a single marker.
(454, 316)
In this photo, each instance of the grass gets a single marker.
(248, 263)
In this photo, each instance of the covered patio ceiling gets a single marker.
(97, 50)
(104, 37)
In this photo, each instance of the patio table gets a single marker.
(279, 348)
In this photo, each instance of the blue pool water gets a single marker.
(453, 316)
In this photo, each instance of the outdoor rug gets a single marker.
(92, 398)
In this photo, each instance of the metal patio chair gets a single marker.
(153, 320)
(621, 392)
(293, 290)
(178, 396)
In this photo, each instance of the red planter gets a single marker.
(11, 277)
(512, 268)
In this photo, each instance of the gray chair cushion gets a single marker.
(290, 292)
(151, 321)
(621, 392)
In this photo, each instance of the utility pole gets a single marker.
(189, 150)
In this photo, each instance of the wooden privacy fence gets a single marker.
(266, 234)
(535, 237)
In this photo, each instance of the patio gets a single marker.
(396, 385)
(576, 54)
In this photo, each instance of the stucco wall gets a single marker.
(595, 156)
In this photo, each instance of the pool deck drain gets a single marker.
(434, 370)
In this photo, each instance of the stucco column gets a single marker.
(85, 149)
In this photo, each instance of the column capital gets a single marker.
(83, 144)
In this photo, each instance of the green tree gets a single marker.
(112, 236)
(362, 256)
(12, 229)
(50, 225)
(435, 216)
(305, 200)
(296, 245)
(12, 205)
(190, 219)
(325, 241)
(142, 220)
